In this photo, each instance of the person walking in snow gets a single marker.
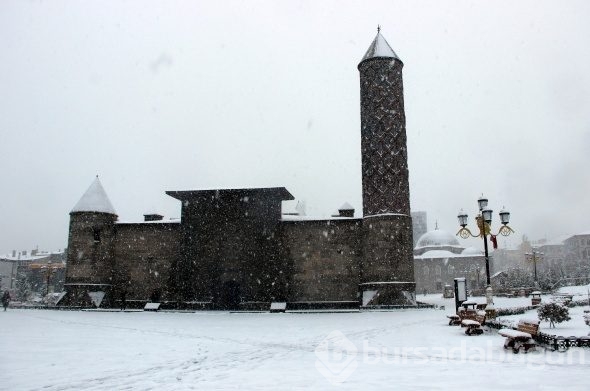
(123, 300)
(5, 299)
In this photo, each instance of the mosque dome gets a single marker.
(437, 238)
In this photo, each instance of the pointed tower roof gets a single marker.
(95, 200)
(379, 48)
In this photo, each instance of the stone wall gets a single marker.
(144, 254)
(325, 256)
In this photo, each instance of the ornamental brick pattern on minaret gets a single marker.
(383, 133)
(387, 267)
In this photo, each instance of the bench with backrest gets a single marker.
(472, 327)
(462, 314)
(472, 321)
(467, 314)
(454, 319)
(522, 337)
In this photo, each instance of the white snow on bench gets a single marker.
(509, 333)
(531, 321)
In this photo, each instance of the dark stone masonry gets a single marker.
(234, 249)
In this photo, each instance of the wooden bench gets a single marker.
(462, 314)
(454, 320)
(472, 327)
(522, 337)
(469, 314)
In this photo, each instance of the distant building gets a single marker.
(233, 248)
(561, 259)
(553, 254)
(33, 265)
(7, 273)
(577, 247)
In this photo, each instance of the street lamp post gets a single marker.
(484, 221)
(534, 256)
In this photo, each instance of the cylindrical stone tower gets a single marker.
(388, 263)
(91, 246)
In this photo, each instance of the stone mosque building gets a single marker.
(439, 258)
(234, 249)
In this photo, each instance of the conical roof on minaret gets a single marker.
(380, 48)
(95, 199)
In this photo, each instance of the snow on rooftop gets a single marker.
(586, 233)
(379, 48)
(471, 251)
(312, 218)
(95, 199)
(19, 256)
(172, 220)
(346, 206)
(558, 241)
(438, 254)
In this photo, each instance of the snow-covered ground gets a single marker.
(579, 292)
(404, 350)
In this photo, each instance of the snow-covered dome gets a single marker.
(471, 251)
(438, 254)
(437, 238)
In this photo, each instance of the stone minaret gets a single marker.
(387, 268)
(91, 244)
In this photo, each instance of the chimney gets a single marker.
(152, 217)
(346, 210)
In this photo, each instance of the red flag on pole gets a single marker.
(494, 241)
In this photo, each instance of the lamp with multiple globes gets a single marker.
(484, 222)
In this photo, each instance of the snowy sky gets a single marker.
(177, 95)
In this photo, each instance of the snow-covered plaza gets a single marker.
(405, 350)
